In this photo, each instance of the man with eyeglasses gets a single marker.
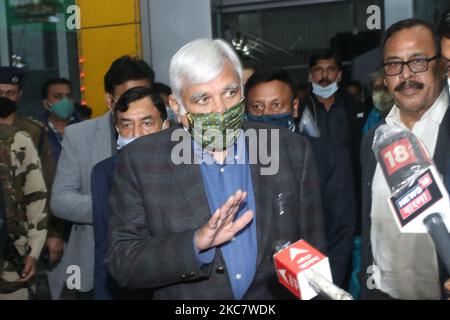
(85, 144)
(443, 31)
(403, 265)
(140, 111)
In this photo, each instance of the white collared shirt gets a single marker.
(405, 264)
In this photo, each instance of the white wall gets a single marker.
(171, 24)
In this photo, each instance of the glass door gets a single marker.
(36, 39)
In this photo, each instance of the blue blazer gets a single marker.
(101, 182)
(105, 288)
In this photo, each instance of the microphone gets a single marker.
(440, 235)
(322, 285)
(419, 200)
(306, 272)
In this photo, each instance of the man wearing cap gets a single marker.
(10, 96)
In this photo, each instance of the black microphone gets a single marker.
(400, 154)
(440, 235)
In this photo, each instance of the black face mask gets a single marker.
(7, 107)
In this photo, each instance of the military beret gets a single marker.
(11, 75)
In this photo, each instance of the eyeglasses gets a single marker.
(419, 64)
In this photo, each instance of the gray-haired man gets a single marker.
(208, 230)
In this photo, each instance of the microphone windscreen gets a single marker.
(400, 154)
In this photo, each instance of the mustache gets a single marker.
(325, 81)
(411, 84)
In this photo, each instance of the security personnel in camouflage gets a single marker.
(25, 199)
(38, 134)
(10, 95)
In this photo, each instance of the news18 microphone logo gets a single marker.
(416, 187)
(409, 203)
(293, 261)
(400, 155)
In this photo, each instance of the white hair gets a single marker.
(199, 62)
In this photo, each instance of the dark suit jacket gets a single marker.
(338, 172)
(368, 161)
(101, 181)
(157, 206)
(338, 205)
(356, 116)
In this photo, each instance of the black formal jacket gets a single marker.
(355, 117)
(158, 205)
(368, 162)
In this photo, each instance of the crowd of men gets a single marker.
(168, 194)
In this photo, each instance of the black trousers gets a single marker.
(68, 294)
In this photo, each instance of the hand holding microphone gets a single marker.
(447, 288)
(419, 200)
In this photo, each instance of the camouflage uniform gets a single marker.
(25, 197)
(38, 132)
(3, 229)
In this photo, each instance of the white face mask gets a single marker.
(448, 82)
(325, 92)
(122, 141)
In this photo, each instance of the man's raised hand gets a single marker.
(222, 227)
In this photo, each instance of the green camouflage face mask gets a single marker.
(217, 130)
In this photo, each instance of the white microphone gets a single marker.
(325, 287)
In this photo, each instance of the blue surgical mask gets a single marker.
(325, 92)
(122, 141)
(171, 115)
(281, 120)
